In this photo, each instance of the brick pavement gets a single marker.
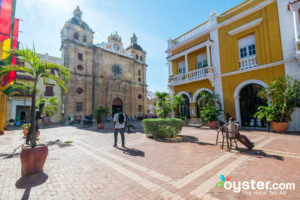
(92, 169)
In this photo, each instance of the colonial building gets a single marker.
(106, 74)
(18, 105)
(235, 54)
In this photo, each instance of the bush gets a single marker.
(162, 128)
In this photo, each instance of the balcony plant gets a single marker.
(99, 114)
(210, 108)
(33, 155)
(284, 95)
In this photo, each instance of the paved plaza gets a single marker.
(92, 169)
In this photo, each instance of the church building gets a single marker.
(106, 74)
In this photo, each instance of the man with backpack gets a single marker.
(119, 126)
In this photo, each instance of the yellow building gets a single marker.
(16, 104)
(235, 54)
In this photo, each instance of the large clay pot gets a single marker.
(280, 127)
(33, 159)
(212, 124)
(25, 131)
(100, 126)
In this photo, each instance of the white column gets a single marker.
(208, 55)
(186, 64)
(170, 68)
(296, 24)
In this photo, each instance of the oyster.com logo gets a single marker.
(223, 180)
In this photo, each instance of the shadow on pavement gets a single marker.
(260, 154)
(28, 181)
(132, 152)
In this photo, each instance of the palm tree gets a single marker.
(50, 105)
(37, 70)
(179, 101)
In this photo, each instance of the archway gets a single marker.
(249, 103)
(183, 110)
(116, 105)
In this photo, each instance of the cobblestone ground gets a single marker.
(92, 169)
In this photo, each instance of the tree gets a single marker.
(178, 101)
(37, 70)
(101, 113)
(284, 96)
(163, 105)
(51, 105)
(210, 106)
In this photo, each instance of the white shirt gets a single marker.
(116, 119)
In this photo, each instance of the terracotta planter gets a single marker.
(100, 126)
(33, 159)
(212, 124)
(280, 127)
(25, 131)
(183, 123)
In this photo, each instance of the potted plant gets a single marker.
(284, 95)
(33, 155)
(11, 122)
(100, 114)
(210, 108)
(210, 114)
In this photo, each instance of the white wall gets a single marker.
(288, 42)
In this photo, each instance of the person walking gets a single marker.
(119, 126)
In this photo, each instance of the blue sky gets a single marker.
(153, 21)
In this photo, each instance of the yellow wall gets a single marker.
(191, 88)
(192, 58)
(191, 44)
(237, 9)
(230, 83)
(175, 65)
(267, 37)
(3, 102)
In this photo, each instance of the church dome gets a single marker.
(76, 19)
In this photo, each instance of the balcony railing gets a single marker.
(191, 76)
(189, 35)
(248, 63)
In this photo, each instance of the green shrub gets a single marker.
(162, 128)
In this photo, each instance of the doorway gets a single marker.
(249, 103)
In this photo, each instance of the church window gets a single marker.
(76, 36)
(84, 39)
(140, 72)
(140, 108)
(80, 56)
(136, 57)
(79, 106)
(49, 91)
(80, 67)
(140, 80)
(141, 58)
(140, 96)
(79, 90)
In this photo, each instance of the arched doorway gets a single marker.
(249, 103)
(116, 105)
(199, 104)
(183, 110)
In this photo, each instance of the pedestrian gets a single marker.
(119, 126)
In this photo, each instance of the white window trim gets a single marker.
(245, 27)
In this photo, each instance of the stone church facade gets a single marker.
(103, 74)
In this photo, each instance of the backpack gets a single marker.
(121, 118)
